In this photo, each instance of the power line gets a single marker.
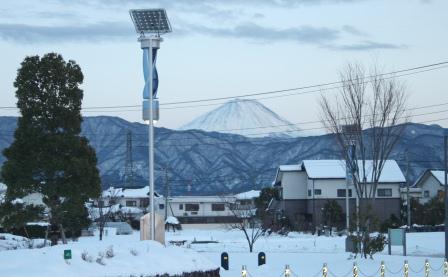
(428, 67)
(321, 90)
(252, 141)
(283, 125)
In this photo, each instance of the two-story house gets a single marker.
(306, 187)
(430, 184)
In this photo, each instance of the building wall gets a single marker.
(431, 186)
(294, 185)
(329, 188)
(383, 208)
(205, 206)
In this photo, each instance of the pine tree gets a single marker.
(48, 155)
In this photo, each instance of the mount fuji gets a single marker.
(244, 117)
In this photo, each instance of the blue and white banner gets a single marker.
(155, 76)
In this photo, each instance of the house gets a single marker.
(305, 188)
(430, 184)
(246, 200)
(131, 201)
(202, 209)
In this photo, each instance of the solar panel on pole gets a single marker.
(150, 21)
(153, 22)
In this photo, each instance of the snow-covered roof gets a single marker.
(335, 169)
(128, 192)
(290, 167)
(202, 199)
(439, 175)
(248, 195)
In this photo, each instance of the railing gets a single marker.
(355, 271)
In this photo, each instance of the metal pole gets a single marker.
(347, 183)
(408, 199)
(167, 193)
(151, 143)
(446, 193)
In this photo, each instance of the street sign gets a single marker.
(67, 254)
(397, 237)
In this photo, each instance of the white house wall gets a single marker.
(432, 186)
(294, 185)
(205, 209)
(329, 188)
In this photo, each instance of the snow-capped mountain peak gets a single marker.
(244, 117)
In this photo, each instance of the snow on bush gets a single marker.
(133, 252)
(110, 252)
(86, 257)
(100, 258)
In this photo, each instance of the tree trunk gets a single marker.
(64, 240)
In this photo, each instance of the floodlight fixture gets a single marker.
(150, 21)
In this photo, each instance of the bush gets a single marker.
(392, 222)
(374, 245)
(135, 224)
(33, 231)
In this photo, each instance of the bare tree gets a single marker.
(374, 108)
(105, 211)
(246, 221)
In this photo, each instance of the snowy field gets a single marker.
(304, 253)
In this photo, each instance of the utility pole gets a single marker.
(167, 192)
(408, 199)
(446, 192)
(129, 164)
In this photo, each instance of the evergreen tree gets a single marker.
(48, 155)
(332, 213)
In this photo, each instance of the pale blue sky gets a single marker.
(226, 48)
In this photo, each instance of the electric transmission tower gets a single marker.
(129, 165)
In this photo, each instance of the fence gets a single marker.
(355, 271)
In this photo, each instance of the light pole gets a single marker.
(445, 161)
(151, 22)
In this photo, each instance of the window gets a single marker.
(144, 202)
(309, 192)
(192, 207)
(218, 207)
(131, 203)
(161, 206)
(384, 192)
(317, 192)
(245, 202)
(341, 193)
(181, 206)
(426, 194)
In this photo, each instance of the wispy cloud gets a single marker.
(91, 32)
(365, 45)
(257, 33)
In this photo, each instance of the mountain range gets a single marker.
(200, 162)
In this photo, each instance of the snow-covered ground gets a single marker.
(116, 255)
(304, 253)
